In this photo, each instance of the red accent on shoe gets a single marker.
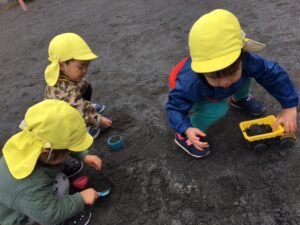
(179, 137)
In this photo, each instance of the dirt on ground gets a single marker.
(138, 42)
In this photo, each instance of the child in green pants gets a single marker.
(221, 66)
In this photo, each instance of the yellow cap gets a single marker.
(50, 124)
(215, 41)
(64, 47)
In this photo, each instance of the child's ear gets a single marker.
(61, 67)
(45, 153)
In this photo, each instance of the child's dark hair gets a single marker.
(58, 153)
(68, 61)
(228, 71)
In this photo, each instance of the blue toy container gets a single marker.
(115, 142)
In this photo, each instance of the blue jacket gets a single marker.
(191, 87)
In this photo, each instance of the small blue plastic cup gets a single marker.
(115, 142)
(103, 193)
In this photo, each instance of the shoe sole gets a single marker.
(102, 110)
(97, 134)
(78, 171)
(195, 156)
(242, 110)
(88, 221)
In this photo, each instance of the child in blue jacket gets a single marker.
(221, 66)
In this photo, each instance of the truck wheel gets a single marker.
(260, 147)
(287, 143)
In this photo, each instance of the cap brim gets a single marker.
(252, 46)
(215, 64)
(83, 145)
(88, 56)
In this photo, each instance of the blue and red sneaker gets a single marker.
(188, 147)
(249, 105)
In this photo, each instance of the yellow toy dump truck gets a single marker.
(260, 136)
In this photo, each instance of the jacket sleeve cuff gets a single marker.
(183, 127)
(99, 120)
(79, 202)
(291, 104)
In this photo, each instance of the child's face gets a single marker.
(223, 82)
(56, 157)
(74, 69)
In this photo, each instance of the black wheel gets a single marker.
(260, 147)
(287, 143)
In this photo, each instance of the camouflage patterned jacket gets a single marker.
(71, 92)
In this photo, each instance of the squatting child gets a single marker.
(70, 56)
(32, 189)
(221, 66)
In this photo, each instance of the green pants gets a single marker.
(204, 113)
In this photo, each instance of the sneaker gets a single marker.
(82, 218)
(99, 107)
(249, 105)
(72, 167)
(189, 148)
(94, 132)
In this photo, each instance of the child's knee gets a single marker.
(215, 110)
(221, 109)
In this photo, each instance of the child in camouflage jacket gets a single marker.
(65, 76)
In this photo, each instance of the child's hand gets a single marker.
(89, 196)
(93, 161)
(288, 117)
(193, 134)
(105, 123)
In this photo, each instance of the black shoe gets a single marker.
(72, 167)
(249, 105)
(82, 218)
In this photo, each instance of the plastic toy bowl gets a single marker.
(80, 183)
(269, 120)
(115, 142)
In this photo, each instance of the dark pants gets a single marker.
(88, 93)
